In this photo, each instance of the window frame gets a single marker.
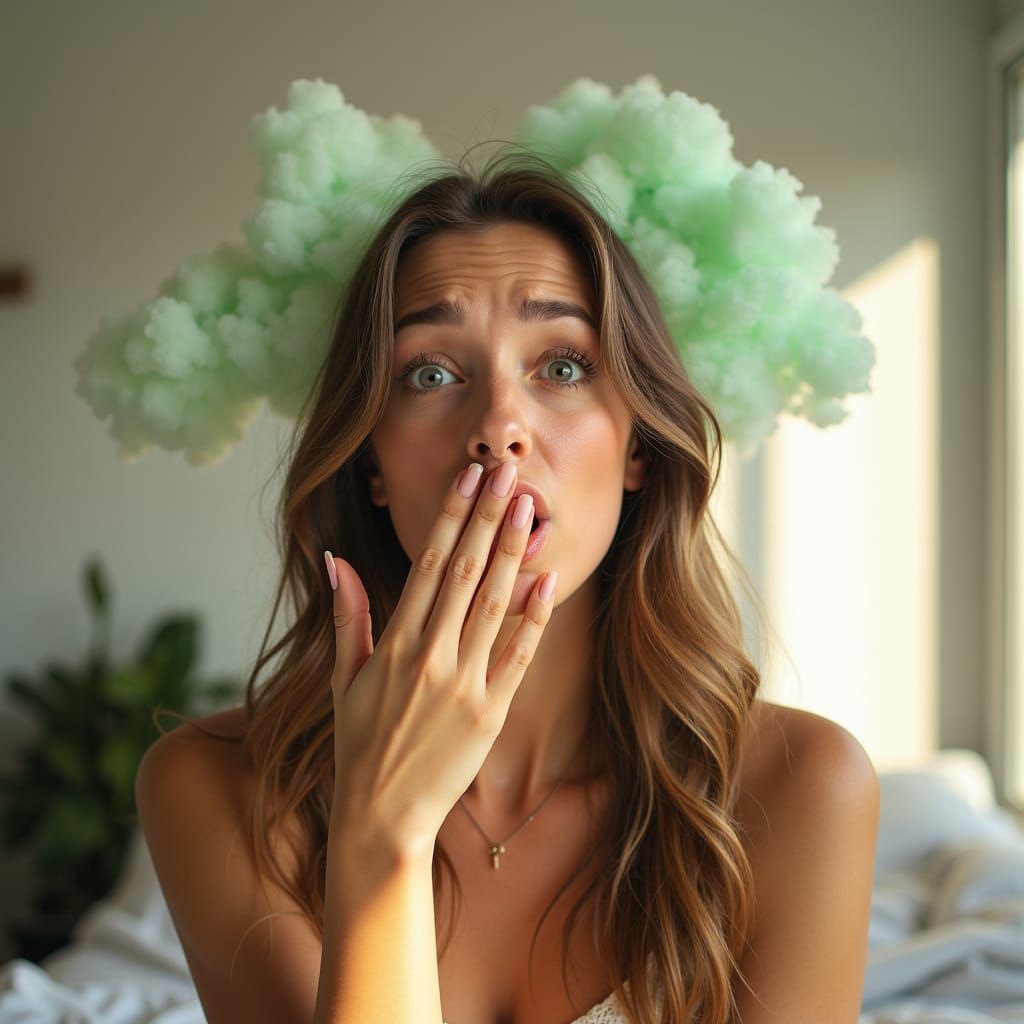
(1005, 535)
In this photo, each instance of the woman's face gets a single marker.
(492, 387)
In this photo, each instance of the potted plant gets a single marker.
(71, 797)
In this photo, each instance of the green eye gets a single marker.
(562, 359)
(411, 371)
(435, 362)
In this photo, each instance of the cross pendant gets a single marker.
(496, 852)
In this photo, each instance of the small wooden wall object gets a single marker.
(15, 282)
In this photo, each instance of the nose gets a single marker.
(499, 428)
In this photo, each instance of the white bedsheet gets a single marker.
(946, 944)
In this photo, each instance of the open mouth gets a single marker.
(537, 537)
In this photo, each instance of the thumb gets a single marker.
(353, 635)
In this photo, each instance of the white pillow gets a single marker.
(950, 799)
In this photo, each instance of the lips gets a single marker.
(537, 538)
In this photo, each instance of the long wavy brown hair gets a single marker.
(674, 690)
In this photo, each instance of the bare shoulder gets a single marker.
(791, 748)
(250, 949)
(211, 758)
(802, 772)
(189, 758)
(809, 816)
(187, 751)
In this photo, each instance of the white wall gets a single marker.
(125, 132)
(1007, 10)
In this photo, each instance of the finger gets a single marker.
(353, 632)
(469, 561)
(492, 598)
(428, 569)
(511, 666)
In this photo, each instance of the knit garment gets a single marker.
(605, 1012)
(608, 1011)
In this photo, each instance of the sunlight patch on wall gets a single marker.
(725, 505)
(850, 519)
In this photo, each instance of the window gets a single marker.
(1007, 393)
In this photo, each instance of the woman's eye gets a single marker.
(565, 374)
(426, 378)
(425, 372)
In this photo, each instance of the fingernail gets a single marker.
(332, 571)
(523, 513)
(547, 588)
(501, 482)
(469, 479)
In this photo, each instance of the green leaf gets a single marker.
(129, 687)
(96, 668)
(62, 678)
(118, 762)
(67, 759)
(31, 696)
(96, 588)
(178, 693)
(70, 831)
(171, 650)
(70, 795)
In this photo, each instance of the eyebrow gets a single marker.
(448, 311)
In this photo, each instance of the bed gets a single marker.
(946, 942)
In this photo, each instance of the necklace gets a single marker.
(497, 849)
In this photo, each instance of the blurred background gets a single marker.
(886, 549)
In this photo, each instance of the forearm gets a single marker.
(379, 958)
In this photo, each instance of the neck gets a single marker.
(543, 740)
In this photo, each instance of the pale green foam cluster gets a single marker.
(189, 370)
(732, 252)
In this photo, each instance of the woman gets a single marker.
(547, 737)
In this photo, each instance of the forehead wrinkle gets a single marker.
(449, 267)
(529, 309)
(465, 278)
(533, 299)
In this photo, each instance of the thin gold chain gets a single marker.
(497, 849)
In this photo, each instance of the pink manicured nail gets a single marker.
(501, 482)
(469, 479)
(524, 511)
(547, 588)
(332, 571)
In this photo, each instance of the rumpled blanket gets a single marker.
(947, 938)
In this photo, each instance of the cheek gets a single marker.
(589, 443)
(590, 454)
(404, 446)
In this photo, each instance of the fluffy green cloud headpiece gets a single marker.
(732, 252)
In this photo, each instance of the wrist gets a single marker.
(359, 841)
